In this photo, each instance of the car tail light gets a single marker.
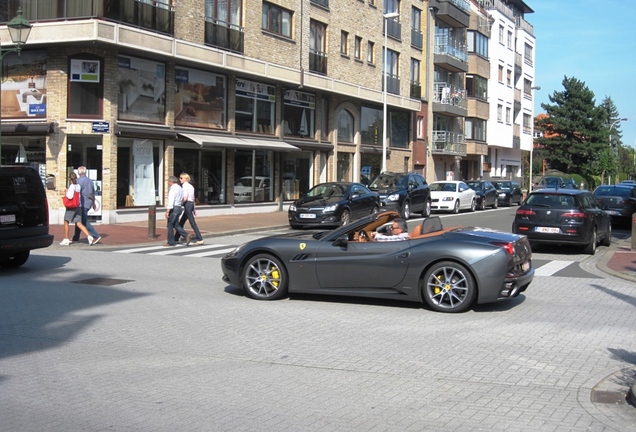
(523, 228)
(508, 246)
(574, 215)
(525, 212)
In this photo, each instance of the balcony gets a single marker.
(449, 100)
(158, 16)
(416, 90)
(393, 28)
(416, 39)
(450, 53)
(448, 143)
(224, 35)
(455, 13)
(318, 62)
(392, 84)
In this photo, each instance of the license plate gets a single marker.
(502, 195)
(307, 216)
(547, 230)
(7, 219)
(612, 212)
(525, 266)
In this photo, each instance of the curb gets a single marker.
(602, 264)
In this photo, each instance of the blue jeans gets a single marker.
(91, 229)
(188, 215)
(173, 225)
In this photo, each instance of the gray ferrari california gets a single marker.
(450, 269)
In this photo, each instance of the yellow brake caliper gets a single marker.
(275, 275)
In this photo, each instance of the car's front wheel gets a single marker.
(16, 260)
(448, 287)
(345, 218)
(456, 208)
(265, 278)
(473, 206)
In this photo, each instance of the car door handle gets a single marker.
(402, 256)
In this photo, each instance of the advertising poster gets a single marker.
(142, 89)
(200, 99)
(23, 86)
(144, 174)
(84, 70)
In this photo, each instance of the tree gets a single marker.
(574, 130)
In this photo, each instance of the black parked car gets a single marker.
(486, 193)
(24, 215)
(619, 201)
(333, 204)
(405, 193)
(552, 182)
(563, 216)
(509, 192)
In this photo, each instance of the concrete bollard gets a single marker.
(152, 222)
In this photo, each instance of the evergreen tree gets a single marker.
(574, 130)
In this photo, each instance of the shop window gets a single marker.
(345, 126)
(371, 126)
(85, 88)
(299, 113)
(200, 99)
(207, 173)
(344, 167)
(399, 129)
(296, 174)
(139, 178)
(142, 89)
(23, 81)
(253, 180)
(255, 103)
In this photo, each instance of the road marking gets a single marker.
(212, 253)
(552, 267)
(161, 250)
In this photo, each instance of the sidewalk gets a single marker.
(619, 260)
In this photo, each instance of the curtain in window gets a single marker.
(78, 8)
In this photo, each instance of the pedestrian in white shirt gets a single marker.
(174, 207)
(188, 210)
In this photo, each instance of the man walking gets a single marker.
(174, 207)
(87, 202)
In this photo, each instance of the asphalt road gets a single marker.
(95, 340)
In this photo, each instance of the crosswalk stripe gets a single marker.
(552, 267)
(211, 253)
(161, 250)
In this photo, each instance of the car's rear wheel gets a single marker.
(426, 212)
(16, 260)
(456, 208)
(265, 278)
(406, 210)
(482, 204)
(375, 210)
(345, 219)
(449, 287)
(473, 205)
(607, 240)
(496, 203)
(590, 248)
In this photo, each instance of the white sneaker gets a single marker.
(199, 243)
(96, 240)
(90, 240)
(65, 242)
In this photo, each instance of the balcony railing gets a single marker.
(318, 61)
(452, 47)
(392, 84)
(449, 94)
(393, 28)
(156, 15)
(416, 90)
(416, 39)
(224, 35)
(451, 143)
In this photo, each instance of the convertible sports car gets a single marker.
(449, 269)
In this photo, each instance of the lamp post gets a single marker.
(532, 150)
(19, 30)
(614, 123)
(387, 16)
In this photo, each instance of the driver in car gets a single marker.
(397, 231)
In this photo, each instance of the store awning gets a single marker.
(27, 128)
(238, 143)
(311, 145)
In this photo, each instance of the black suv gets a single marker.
(509, 192)
(405, 193)
(24, 215)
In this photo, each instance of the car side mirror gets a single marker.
(343, 240)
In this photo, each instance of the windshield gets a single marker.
(613, 191)
(445, 187)
(327, 190)
(384, 181)
(503, 185)
(476, 185)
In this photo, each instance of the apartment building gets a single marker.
(256, 100)
(511, 50)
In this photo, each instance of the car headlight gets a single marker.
(292, 207)
(393, 197)
(448, 199)
(236, 251)
(330, 208)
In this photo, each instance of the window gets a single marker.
(415, 71)
(357, 47)
(28, 93)
(345, 126)
(477, 87)
(527, 89)
(223, 20)
(399, 129)
(501, 34)
(317, 47)
(85, 88)
(276, 20)
(391, 6)
(255, 103)
(475, 129)
(299, 113)
(252, 176)
(527, 55)
(344, 43)
(499, 113)
(509, 77)
(527, 123)
(416, 19)
(142, 88)
(510, 39)
(370, 52)
(500, 74)
(371, 122)
(420, 127)
(508, 115)
(391, 62)
(477, 43)
(200, 98)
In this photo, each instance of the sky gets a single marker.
(592, 41)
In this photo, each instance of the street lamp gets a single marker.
(614, 123)
(387, 16)
(19, 30)
(532, 149)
